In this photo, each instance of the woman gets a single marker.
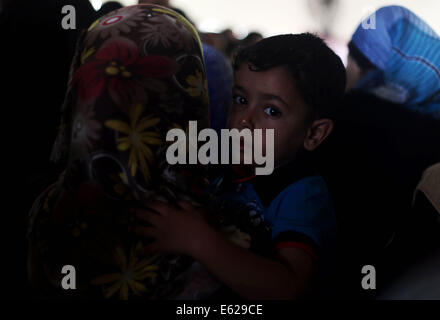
(386, 134)
(398, 60)
(137, 73)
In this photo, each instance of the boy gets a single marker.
(289, 83)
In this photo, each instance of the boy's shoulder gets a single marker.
(290, 178)
(294, 201)
(304, 207)
(308, 188)
(298, 202)
(306, 199)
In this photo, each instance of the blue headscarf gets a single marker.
(220, 80)
(406, 54)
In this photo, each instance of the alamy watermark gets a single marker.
(69, 20)
(69, 280)
(370, 21)
(246, 147)
(369, 278)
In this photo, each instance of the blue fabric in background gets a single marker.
(406, 52)
(220, 81)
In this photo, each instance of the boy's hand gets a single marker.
(174, 230)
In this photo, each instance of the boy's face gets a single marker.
(269, 100)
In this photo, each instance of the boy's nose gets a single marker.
(247, 120)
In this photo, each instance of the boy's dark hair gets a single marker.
(318, 72)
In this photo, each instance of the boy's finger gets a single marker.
(159, 206)
(185, 205)
(145, 215)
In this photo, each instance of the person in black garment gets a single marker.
(35, 64)
(379, 150)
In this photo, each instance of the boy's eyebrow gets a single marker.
(237, 87)
(274, 97)
(268, 96)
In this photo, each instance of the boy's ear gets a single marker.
(318, 131)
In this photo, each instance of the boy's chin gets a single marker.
(243, 159)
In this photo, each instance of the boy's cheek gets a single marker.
(231, 123)
(230, 114)
(286, 150)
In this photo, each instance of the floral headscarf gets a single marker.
(138, 73)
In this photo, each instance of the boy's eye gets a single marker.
(238, 99)
(271, 111)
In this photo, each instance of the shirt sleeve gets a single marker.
(302, 215)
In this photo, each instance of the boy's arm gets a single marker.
(251, 276)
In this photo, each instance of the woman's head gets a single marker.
(357, 66)
(397, 59)
(138, 73)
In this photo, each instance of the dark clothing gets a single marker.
(372, 163)
(36, 55)
(289, 208)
